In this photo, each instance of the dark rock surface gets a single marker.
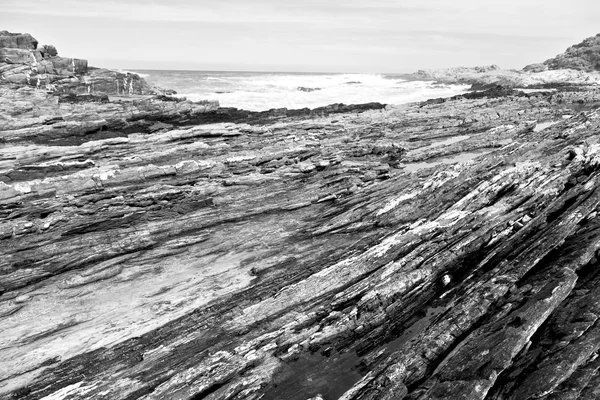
(22, 41)
(307, 89)
(156, 248)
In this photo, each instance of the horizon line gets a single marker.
(267, 71)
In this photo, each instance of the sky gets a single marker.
(366, 36)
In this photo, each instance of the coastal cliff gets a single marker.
(157, 248)
(584, 56)
(22, 62)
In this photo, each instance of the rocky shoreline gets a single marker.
(157, 248)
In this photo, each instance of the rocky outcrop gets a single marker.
(584, 56)
(531, 78)
(23, 41)
(156, 248)
(34, 115)
(578, 66)
(22, 63)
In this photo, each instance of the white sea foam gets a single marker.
(141, 75)
(263, 91)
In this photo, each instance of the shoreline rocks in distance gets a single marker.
(307, 89)
(584, 56)
(579, 65)
(488, 77)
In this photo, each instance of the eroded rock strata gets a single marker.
(23, 62)
(156, 248)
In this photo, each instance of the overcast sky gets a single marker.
(305, 35)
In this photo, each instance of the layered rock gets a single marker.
(489, 76)
(200, 262)
(21, 62)
(156, 248)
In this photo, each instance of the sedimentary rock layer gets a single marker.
(163, 249)
(23, 63)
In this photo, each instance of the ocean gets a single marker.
(259, 91)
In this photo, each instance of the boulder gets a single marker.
(49, 51)
(17, 41)
(538, 67)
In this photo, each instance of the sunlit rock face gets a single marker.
(23, 63)
(157, 248)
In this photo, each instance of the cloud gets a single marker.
(225, 11)
(382, 33)
(352, 16)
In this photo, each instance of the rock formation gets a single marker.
(307, 89)
(156, 248)
(579, 65)
(531, 78)
(21, 62)
(584, 56)
(22, 41)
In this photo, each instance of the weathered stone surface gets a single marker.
(584, 56)
(62, 66)
(154, 248)
(22, 64)
(17, 41)
(531, 77)
(17, 56)
(154, 219)
(49, 50)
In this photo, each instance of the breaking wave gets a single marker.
(259, 91)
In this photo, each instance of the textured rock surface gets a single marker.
(577, 66)
(154, 248)
(432, 250)
(17, 41)
(21, 62)
(584, 56)
(533, 77)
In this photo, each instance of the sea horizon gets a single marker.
(270, 71)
